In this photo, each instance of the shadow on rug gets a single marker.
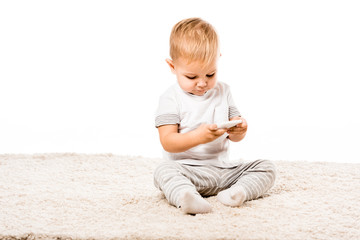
(105, 196)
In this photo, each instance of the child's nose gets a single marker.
(202, 83)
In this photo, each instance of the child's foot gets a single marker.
(193, 204)
(233, 197)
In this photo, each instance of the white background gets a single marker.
(85, 76)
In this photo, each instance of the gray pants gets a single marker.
(172, 178)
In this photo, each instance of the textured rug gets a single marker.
(105, 196)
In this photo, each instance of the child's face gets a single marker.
(194, 78)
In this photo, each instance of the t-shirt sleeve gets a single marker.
(233, 110)
(168, 111)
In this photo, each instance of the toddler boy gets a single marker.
(196, 150)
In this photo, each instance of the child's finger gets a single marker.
(219, 132)
(243, 124)
(236, 130)
(213, 127)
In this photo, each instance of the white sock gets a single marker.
(193, 203)
(234, 196)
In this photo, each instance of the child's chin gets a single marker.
(199, 93)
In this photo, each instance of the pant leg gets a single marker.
(169, 179)
(173, 178)
(255, 177)
(205, 178)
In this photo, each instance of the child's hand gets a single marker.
(238, 132)
(209, 132)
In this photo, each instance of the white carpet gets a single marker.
(78, 196)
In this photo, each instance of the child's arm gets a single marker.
(174, 142)
(237, 133)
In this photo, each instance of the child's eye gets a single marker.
(210, 75)
(191, 77)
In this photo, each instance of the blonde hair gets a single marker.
(194, 39)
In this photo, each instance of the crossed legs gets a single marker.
(184, 185)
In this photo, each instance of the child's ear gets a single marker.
(171, 64)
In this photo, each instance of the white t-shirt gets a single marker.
(189, 111)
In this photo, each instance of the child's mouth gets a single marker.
(200, 92)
